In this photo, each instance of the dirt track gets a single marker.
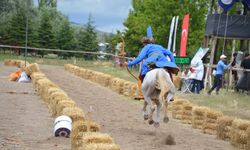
(119, 116)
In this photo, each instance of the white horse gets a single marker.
(158, 89)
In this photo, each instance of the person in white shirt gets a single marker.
(197, 77)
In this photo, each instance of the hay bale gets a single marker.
(248, 138)
(210, 124)
(83, 138)
(78, 126)
(63, 104)
(100, 146)
(32, 68)
(74, 113)
(177, 108)
(223, 127)
(187, 113)
(238, 133)
(198, 117)
(96, 137)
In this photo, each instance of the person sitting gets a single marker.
(185, 80)
(154, 56)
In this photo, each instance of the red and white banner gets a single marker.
(184, 36)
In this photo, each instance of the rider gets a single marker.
(154, 56)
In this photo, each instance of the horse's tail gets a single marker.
(165, 83)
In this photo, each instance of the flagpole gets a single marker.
(176, 26)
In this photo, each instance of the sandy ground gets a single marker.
(25, 123)
(122, 117)
(25, 120)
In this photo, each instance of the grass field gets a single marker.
(230, 103)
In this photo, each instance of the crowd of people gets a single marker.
(192, 77)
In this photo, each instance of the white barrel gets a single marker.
(62, 126)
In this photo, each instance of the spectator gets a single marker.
(244, 82)
(221, 66)
(234, 72)
(198, 76)
(185, 81)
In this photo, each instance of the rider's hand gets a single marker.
(126, 63)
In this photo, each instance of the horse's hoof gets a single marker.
(156, 124)
(150, 122)
(165, 119)
(145, 117)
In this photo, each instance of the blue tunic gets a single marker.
(154, 53)
(221, 66)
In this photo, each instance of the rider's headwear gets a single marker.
(146, 40)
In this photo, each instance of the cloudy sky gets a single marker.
(108, 15)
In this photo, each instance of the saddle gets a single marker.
(170, 70)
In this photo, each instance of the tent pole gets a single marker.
(209, 67)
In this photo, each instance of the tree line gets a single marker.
(47, 27)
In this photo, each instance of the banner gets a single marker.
(171, 34)
(184, 36)
(199, 55)
(226, 4)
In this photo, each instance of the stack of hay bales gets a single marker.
(177, 108)
(59, 104)
(248, 138)
(238, 133)
(134, 90)
(199, 116)
(127, 88)
(13, 62)
(116, 85)
(210, 124)
(224, 125)
(36, 76)
(32, 68)
(187, 113)
(94, 141)
(75, 113)
(104, 79)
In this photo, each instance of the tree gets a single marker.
(88, 38)
(65, 39)
(158, 14)
(47, 3)
(45, 33)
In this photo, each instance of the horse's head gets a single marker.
(170, 96)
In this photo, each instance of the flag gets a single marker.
(184, 36)
(171, 33)
(226, 4)
(149, 32)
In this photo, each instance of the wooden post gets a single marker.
(249, 47)
(209, 67)
(230, 72)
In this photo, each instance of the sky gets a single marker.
(108, 15)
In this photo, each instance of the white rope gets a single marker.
(59, 50)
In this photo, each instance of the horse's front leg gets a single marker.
(144, 109)
(158, 111)
(152, 109)
(166, 119)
